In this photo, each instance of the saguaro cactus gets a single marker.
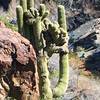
(47, 38)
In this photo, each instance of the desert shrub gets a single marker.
(8, 24)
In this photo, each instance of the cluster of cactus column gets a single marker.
(47, 38)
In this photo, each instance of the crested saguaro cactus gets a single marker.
(47, 38)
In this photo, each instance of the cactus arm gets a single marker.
(26, 32)
(32, 11)
(45, 15)
(63, 76)
(62, 17)
(37, 26)
(62, 84)
(42, 9)
(23, 3)
(19, 12)
(30, 4)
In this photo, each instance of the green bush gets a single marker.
(8, 24)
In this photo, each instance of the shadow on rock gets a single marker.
(93, 63)
(5, 4)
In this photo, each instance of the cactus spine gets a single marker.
(47, 38)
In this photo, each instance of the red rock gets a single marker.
(17, 63)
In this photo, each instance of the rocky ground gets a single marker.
(18, 71)
(82, 86)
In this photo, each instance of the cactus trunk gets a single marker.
(44, 84)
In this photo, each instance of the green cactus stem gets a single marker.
(42, 9)
(23, 3)
(19, 12)
(62, 84)
(37, 26)
(32, 11)
(45, 15)
(63, 76)
(30, 4)
(62, 17)
(44, 84)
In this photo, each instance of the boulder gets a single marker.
(87, 36)
(80, 11)
(18, 70)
